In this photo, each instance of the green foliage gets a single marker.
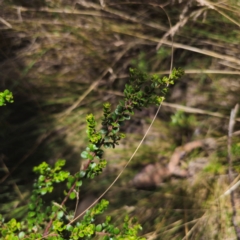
(141, 62)
(55, 221)
(214, 167)
(6, 96)
(179, 119)
(236, 149)
(48, 176)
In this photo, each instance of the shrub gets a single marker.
(55, 221)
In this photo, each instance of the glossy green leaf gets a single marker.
(72, 195)
(84, 154)
(21, 235)
(99, 228)
(60, 214)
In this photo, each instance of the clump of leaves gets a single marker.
(179, 119)
(6, 96)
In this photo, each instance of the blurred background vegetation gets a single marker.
(64, 59)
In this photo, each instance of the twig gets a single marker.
(230, 133)
(19, 14)
(102, 3)
(229, 144)
(77, 202)
(231, 189)
(182, 21)
(5, 23)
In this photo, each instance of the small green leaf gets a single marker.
(107, 238)
(41, 178)
(43, 191)
(119, 110)
(108, 219)
(69, 227)
(21, 235)
(121, 119)
(60, 214)
(103, 131)
(79, 183)
(72, 195)
(69, 185)
(82, 174)
(99, 228)
(90, 156)
(93, 165)
(31, 214)
(108, 144)
(60, 163)
(111, 228)
(31, 206)
(84, 154)
(93, 147)
(127, 117)
(116, 231)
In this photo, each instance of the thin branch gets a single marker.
(231, 189)
(229, 145)
(182, 21)
(19, 14)
(102, 3)
(5, 23)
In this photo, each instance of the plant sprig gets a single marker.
(6, 96)
(141, 92)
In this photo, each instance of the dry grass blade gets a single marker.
(70, 11)
(205, 71)
(235, 185)
(179, 45)
(5, 23)
(230, 174)
(123, 15)
(196, 110)
(213, 6)
(230, 133)
(181, 107)
(102, 3)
